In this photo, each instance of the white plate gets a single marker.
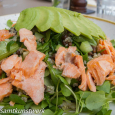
(107, 26)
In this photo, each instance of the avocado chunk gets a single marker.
(27, 19)
(68, 23)
(56, 25)
(45, 19)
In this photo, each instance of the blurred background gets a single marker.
(100, 8)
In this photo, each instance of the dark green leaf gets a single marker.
(3, 50)
(15, 98)
(48, 112)
(44, 104)
(65, 91)
(47, 36)
(83, 94)
(6, 100)
(3, 75)
(82, 39)
(9, 45)
(60, 100)
(28, 105)
(105, 87)
(53, 73)
(59, 112)
(108, 112)
(9, 23)
(62, 79)
(43, 47)
(95, 100)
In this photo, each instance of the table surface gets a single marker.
(16, 6)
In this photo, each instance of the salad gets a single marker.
(57, 60)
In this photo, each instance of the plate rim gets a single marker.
(97, 18)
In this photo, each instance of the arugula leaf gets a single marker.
(44, 104)
(9, 45)
(113, 43)
(95, 100)
(43, 47)
(84, 94)
(59, 112)
(9, 23)
(53, 73)
(48, 112)
(62, 79)
(77, 108)
(15, 98)
(60, 100)
(65, 91)
(47, 35)
(82, 39)
(3, 50)
(105, 87)
(28, 105)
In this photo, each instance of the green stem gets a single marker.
(113, 87)
(110, 99)
(77, 108)
(57, 96)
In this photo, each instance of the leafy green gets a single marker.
(44, 104)
(15, 98)
(105, 87)
(82, 39)
(9, 45)
(43, 47)
(53, 73)
(113, 43)
(9, 23)
(3, 49)
(65, 91)
(28, 105)
(3, 75)
(84, 94)
(48, 112)
(47, 35)
(95, 100)
(59, 112)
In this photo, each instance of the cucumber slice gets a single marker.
(86, 47)
(57, 47)
(38, 36)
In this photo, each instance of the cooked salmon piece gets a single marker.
(111, 77)
(31, 62)
(28, 38)
(79, 63)
(30, 44)
(4, 80)
(12, 103)
(113, 82)
(60, 56)
(71, 71)
(5, 89)
(24, 33)
(5, 34)
(70, 57)
(72, 49)
(100, 67)
(107, 45)
(34, 85)
(8, 64)
(90, 82)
